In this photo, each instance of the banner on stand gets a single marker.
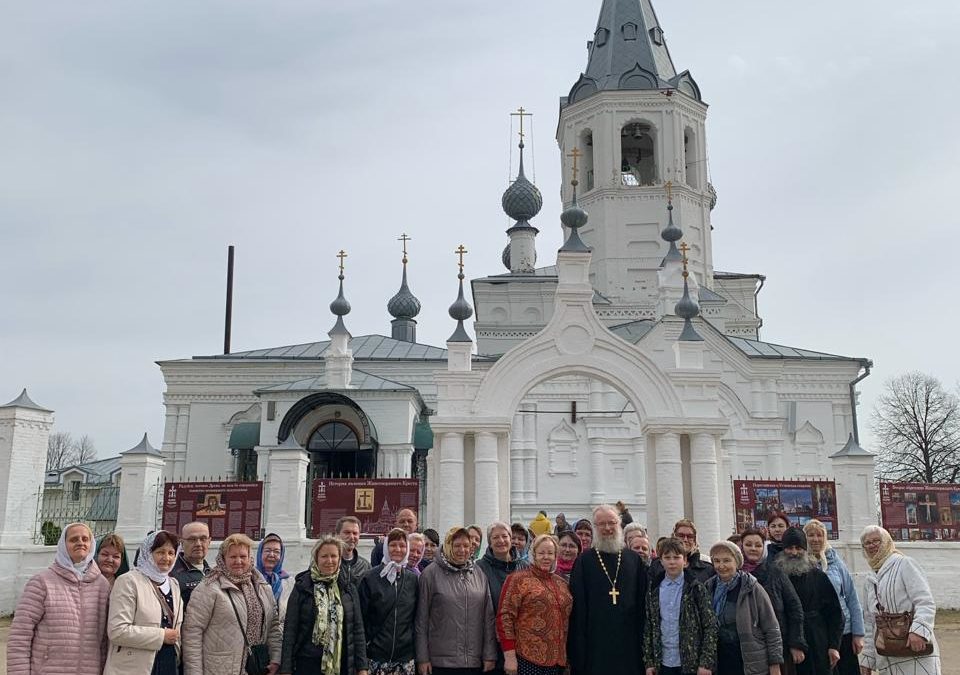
(801, 501)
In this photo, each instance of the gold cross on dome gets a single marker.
(576, 154)
(669, 186)
(460, 251)
(342, 254)
(521, 113)
(683, 251)
(404, 238)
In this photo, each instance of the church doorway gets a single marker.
(335, 451)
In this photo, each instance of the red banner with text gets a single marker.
(226, 507)
(921, 511)
(374, 501)
(801, 501)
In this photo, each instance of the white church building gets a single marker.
(592, 378)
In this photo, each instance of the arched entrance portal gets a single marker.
(335, 450)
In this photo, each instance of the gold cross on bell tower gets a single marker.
(404, 238)
(521, 113)
(342, 254)
(460, 251)
(576, 154)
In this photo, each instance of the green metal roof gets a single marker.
(245, 436)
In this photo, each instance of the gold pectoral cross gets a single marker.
(613, 594)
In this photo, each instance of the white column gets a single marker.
(639, 468)
(706, 490)
(529, 452)
(598, 492)
(287, 499)
(775, 464)
(180, 443)
(450, 490)
(23, 452)
(516, 460)
(486, 483)
(168, 447)
(669, 481)
(855, 477)
(141, 478)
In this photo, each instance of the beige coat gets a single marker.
(212, 638)
(133, 623)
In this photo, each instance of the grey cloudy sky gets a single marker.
(139, 139)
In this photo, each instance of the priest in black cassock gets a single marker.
(609, 585)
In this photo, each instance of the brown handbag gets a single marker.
(890, 638)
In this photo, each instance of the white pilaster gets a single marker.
(394, 461)
(639, 469)
(141, 477)
(517, 451)
(703, 482)
(528, 411)
(450, 491)
(180, 445)
(23, 453)
(287, 497)
(486, 483)
(669, 480)
(598, 491)
(855, 477)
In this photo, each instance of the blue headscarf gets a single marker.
(720, 594)
(275, 578)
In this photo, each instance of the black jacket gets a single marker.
(301, 617)
(389, 611)
(700, 569)
(188, 576)
(786, 604)
(497, 571)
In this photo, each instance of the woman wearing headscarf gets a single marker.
(896, 584)
(827, 560)
(584, 530)
(748, 637)
(59, 625)
(388, 602)
(476, 540)
(783, 596)
(270, 555)
(230, 611)
(455, 629)
(323, 633)
(146, 612)
(112, 557)
(534, 614)
(567, 553)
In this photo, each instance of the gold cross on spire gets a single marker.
(460, 251)
(669, 186)
(683, 252)
(404, 238)
(521, 113)
(576, 154)
(342, 254)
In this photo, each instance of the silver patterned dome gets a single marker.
(403, 305)
(522, 201)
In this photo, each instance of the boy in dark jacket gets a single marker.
(681, 631)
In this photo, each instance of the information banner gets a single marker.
(801, 501)
(921, 511)
(374, 501)
(226, 507)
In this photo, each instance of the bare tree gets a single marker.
(59, 450)
(917, 425)
(63, 450)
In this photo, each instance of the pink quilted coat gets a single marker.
(59, 626)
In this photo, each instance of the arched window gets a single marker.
(334, 436)
(335, 452)
(586, 146)
(638, 162)
(691, 158)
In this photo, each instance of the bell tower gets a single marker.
(639, 126)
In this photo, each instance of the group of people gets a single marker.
(589, 599)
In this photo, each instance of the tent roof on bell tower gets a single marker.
(628, 51)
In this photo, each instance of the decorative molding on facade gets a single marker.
(563, 444)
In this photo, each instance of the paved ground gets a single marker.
(948, 633)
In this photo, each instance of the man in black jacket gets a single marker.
(191, 565)
(686, 532)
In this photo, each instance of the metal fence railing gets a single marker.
(58, 506)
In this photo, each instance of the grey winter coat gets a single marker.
(757, 626)
(455, 617)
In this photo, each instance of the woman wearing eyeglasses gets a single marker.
(270, 565)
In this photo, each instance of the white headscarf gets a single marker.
(392, 568)
(63, 558)
(145, 564)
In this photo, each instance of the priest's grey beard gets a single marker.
(611, 544)
(794, 566)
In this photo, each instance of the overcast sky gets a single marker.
(139, 139)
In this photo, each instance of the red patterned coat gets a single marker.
(534, 615)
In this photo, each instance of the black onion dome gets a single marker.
(340, 306)
(522, 201)
(403, 305)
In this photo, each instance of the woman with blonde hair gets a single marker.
(534, 614)
(827, 559)
(323, 633)
(146, 612)
(896, 584)
(232, 617)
